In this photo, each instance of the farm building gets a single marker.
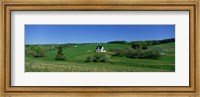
(161, 51)
(100, 49)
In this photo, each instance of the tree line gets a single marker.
(149, 42)
(143, 44)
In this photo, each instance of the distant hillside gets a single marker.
(168, 48)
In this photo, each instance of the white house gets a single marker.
(100, 49)
(161, 52)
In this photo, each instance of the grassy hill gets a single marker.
(168, 48)
(75, 61)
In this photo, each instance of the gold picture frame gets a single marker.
(123, 5)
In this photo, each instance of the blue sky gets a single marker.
(58, 34)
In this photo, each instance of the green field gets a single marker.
(75, 60)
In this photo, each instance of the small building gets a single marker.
(161, 52)
(100, 49)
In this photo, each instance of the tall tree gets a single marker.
(60, 55)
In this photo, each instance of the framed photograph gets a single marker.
(100, 48)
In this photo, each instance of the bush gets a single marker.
(31, 53)
(154, 54)
(89, 59)
(138, 53)
(99, 57)
(105, 58)
(120, 52)
(60, 57)
(133, 53)
(40, 52)
(35, 51)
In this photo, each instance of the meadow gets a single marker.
(76, 56)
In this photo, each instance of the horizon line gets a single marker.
(95, 42)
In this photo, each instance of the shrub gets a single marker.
(99, 57)
(89, 59)
(36, 51)
(60, 57)
(105, 58)
(31, 53)
(40, 51)
(120, 52)
(139, 53)
(154, 54)
(133, 53)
